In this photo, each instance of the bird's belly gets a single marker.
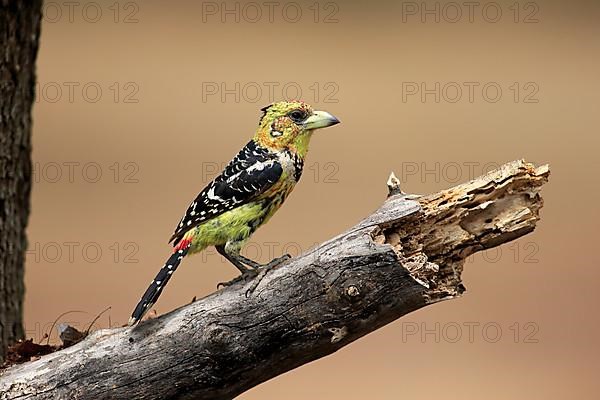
(236, 224)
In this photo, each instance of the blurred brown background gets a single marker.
(141, 103)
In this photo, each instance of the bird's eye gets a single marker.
(297, 115)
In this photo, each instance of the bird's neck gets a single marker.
(298, 146)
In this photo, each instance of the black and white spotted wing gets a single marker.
(250, 173)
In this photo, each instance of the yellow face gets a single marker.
(289, 125)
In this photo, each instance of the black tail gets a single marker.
(157, 285)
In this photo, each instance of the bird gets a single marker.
(246, 194)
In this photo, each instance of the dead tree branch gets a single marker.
(406, 255)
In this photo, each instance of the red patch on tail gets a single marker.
(183, 244)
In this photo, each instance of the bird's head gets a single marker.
(289, 125)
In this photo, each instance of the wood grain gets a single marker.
(406, 255)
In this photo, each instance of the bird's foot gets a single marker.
(250, 274)
(276, 261)
(246, 276)
(264, 269)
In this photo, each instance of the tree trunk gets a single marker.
(19, 33)
(407, 255)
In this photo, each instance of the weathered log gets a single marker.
(406, 255)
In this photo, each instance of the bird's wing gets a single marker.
(249, 174)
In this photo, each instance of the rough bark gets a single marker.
(19, 33)
(406, 255)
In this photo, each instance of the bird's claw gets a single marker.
(264, 269)
(276, 261)
(246, 276)
(252, 273)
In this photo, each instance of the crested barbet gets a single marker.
(245, 195)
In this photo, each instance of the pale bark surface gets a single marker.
(19, 33)
(406, 255)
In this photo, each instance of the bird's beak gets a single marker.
(320, 119)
